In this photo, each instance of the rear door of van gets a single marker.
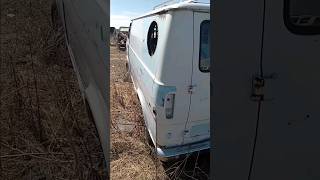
(198, 123)
(287, 141)
(236, 38)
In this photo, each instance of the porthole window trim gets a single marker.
(152, 50)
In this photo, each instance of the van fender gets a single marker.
(99, 112)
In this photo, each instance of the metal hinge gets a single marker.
(257, 89)
(191, 88)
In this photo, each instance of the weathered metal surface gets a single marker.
(86, 25)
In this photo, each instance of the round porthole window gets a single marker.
(152, 38)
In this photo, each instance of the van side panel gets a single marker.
(143, 66)
(86, 26)
(84, 34)
(175, 72)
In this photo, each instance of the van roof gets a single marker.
(190, 5)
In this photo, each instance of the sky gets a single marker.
(122, 11)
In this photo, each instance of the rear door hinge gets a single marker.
(191, 89)
(258, 84)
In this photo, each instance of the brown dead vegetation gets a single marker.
(130, 157)
(44, 130)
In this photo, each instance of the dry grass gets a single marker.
(44, 130)
(130, 157)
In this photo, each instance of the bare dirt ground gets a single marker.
(45, 132)
(131, 156)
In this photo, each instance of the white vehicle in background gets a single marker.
(169, 62)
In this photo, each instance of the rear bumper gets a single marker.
(165, 154)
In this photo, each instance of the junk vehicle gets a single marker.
(113, 36)
(122, 37)
(112, 30)
(168, 58)
(86, 27)
(266, 60)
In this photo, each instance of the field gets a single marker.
(45, 132)
(129, 155)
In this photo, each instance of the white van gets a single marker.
(266, 95)
(169, 62)
(85, 24)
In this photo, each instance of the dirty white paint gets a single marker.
(172, 68)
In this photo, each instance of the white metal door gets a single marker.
(287, 142)
(237, 29)
(198, 124)
(86, 36)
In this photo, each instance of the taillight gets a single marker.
(169, 106)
